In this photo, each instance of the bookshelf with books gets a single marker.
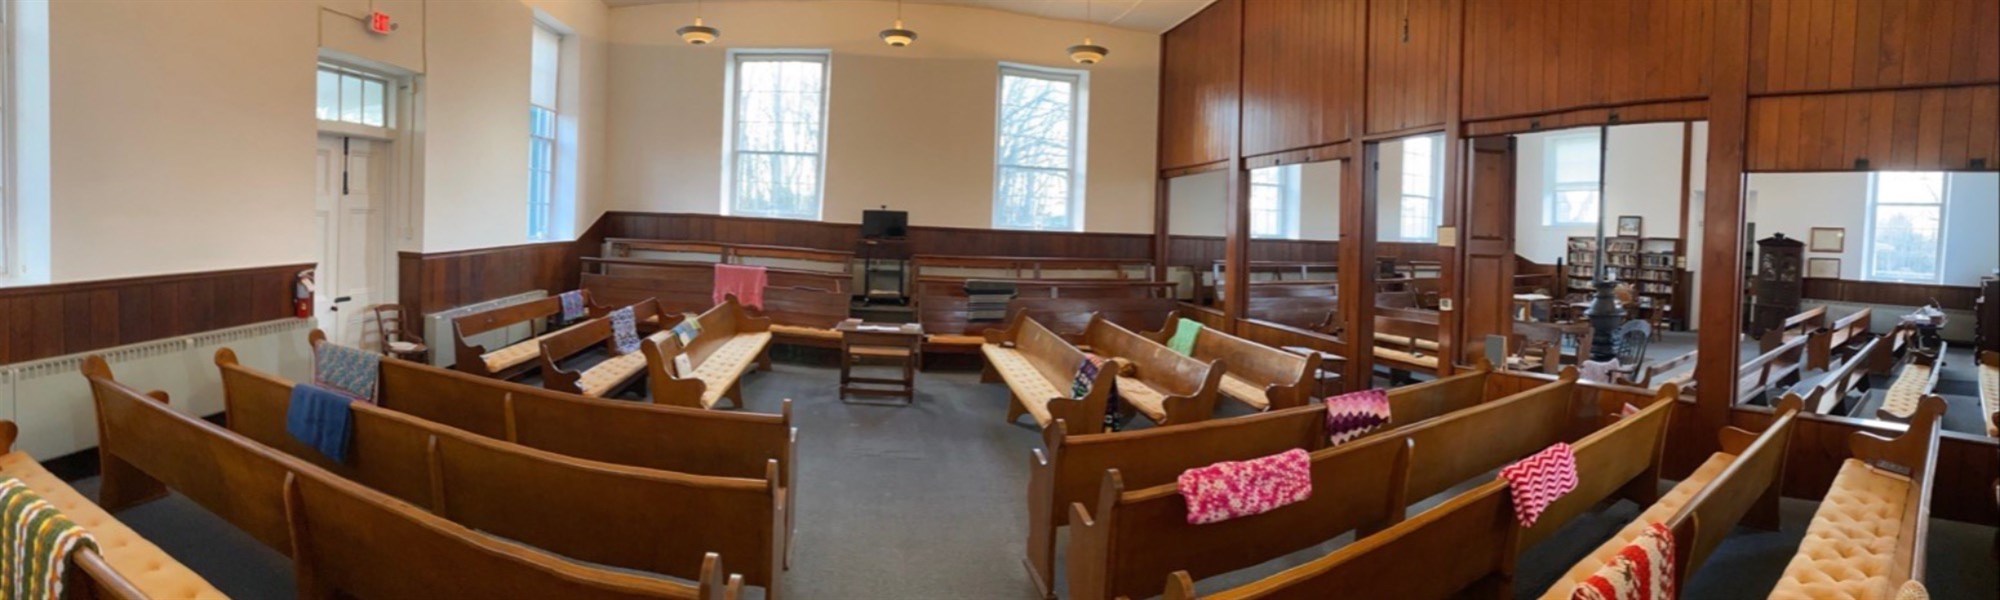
(1651, 265)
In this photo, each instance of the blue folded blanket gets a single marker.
(322, 419)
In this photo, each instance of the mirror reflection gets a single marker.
(1197, 212)
(1294, 250)
(1407, 183)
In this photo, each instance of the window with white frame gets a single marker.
(777, 154)
(545, 69)
(1421, 203)
(1570, 166)
(1274, 202)
(1905, 233)
(348, 96)
(1038, 156)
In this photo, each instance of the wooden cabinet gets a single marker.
(1299, 61)
(1779, 284)
(1819, 45)
(1954, 128)
(1406, 63)
(1527, 57)
(1198, 86)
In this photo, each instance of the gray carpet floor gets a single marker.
(926, 501)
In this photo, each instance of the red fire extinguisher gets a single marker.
(302, 294)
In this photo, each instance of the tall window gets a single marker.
(1274, 202)
(778, 143)
(1420, 201)
(545, 69)
(1905, 211)
(348, 96)
(1571, 168)
(1038, 162)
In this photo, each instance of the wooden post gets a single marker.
(1721, 287)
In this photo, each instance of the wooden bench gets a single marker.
(611, 375)
(1739, 483)
(1653, 374)
(1828, 341)
(1774, 370)
(1874, 519)
(344, 539)
(515, 359)
(124, 564)
(803, 305)
(1070, 466)
(730, 343)
(1914, 382)
(1039, 368)
(1306, 305)
(1069, 317)
(1167, 387)
(943, 309)
(1989, 390)
(1406, 339)
(612, 515)
(1795, 326)
(1259, 376)
(1126, 541)
(1848, 376)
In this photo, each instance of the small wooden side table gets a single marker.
(894, 343)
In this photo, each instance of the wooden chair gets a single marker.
(731, 342)
(344, 539)
(389, 337)
(1629, 345)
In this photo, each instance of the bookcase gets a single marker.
(1652, 265)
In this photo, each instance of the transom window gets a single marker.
(1418, 214)
(1572, 164)
(545, 63)
(348, 96)
(1905, 233)
(778, 141)
(1274, 202)
(1038, 170)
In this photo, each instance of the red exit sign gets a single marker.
(379, 23)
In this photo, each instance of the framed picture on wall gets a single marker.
(1629, 225)
(1823, 268)
(1828, 239)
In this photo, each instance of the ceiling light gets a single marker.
(1087, 53)
(898, 36)
(698, 34)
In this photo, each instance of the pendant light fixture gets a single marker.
(698, 34)
(1087, 53)
(898, 36)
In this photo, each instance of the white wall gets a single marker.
(908, 127)
(1642, 178)
(1794, 203)
(1195, 204)
(1319, 200)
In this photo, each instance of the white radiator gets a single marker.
(440, 335)
(50, 401)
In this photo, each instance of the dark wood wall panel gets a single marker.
(1882, 292)
(1528, 57)
(438, 281)
(846, 237)
(1406, 64)
(1824, 45)
(1298, 57)
(1926, 129)
(53, 320)
(1202, 250)
(1198, 86)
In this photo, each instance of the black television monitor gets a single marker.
(885, 224)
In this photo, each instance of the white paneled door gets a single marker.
(350, 225)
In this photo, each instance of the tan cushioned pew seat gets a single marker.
(1241, 390)
(798, 331)
(1427, 360)
(954, 339)
(601, 377)
(728, 363)
(1852, 540)
(1021, 375)
(141, 562)
(1989, 395)
(1659, 512)
(521, 352)
(1901, 400)
(1149, 401)
(1420, 343)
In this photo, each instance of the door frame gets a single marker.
(399, 149)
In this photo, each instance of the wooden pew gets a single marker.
(1795, 326)
(1168, 388)
(803, 305)
(516, 359)
(731, 342)
(1989, 390)
(1653, 374)
(1070, 466)
(1843, 332)
(343, 538)
(1772, 370)
(1125, 543)
(942, 306)
(1070, 316)
(1914, 382)
(1896, 345)
(1406, 339)
(1038, 368)
(1259, 376)
(1848, 376)
(1303, 304)
(1018, 267)
(124, 565)
(613, 515)
(613, 374)
(1874, 519)
(1740, 482)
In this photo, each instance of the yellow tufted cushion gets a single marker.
(724, 366)
(1852, 540)
(1901, 400)
(141, 562)
(1427, 360)
(953, 339)
(1989, 395)
(1149, 401)
(1243, 391)
(1420, 343)
(805, 332)
(1659, 512)
(600, 378)
(1028, 385)
(509, 357)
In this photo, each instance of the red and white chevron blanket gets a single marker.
(1231, 489)
(1538, 480)
(1642, 570)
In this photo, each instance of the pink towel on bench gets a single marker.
(746, 283)
(1231, 489)
(1642, 570)
(1538, 480)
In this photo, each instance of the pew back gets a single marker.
(1854, 326)
(1070, 316)
(1281, 379)
(1751, 479)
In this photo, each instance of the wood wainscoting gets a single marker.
(1895, 294)
(846, 237)
(41, 321)
(438, 281)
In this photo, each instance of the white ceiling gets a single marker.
(1155, 16)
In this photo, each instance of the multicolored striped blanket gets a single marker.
(35, 543)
